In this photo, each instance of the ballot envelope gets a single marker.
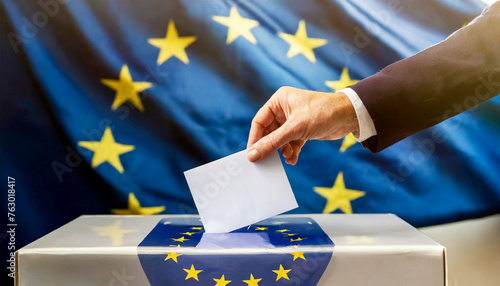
(311, 249)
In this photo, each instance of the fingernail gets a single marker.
(253, 155)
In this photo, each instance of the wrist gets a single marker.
(348, 113)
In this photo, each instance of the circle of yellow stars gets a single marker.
(281, 272)
(174, 45)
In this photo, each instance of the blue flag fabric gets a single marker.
(106, 103)
(267, 253)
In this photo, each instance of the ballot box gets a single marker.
(314, 249)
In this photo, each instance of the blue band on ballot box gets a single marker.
(288, 251)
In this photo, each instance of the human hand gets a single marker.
(292, 116)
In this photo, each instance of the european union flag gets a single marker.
(267, 253)
(106, 103)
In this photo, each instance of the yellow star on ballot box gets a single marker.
(173, 256)
(260, 228)
(301, 44)
(296, 239)
(252, 281)
(192, 273)
(126, 89)
(222, 281)
(114, 231)
(282, 230)
(172, 45)
(134, 208)
(188, 233)
(237, 26)
(282, 273)
(344, 81)
(182, 239)
(338, 197)
(107, 150)
(297, 255)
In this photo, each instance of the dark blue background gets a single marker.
(52, 98)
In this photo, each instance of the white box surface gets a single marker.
(375, 249)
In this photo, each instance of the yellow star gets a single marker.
(182, 239)
(338, 197)
(172, 45)
(222, 281)
(282, 273)
(188, 233)
(134, 208)
(297, 239)
(289, 234)
(192, 273)
(126, 89)
(114, 231)
(301, 44)
(106, 150)
(173, 256)
(238, 26)
(343, 82)
(197, 227)
(282, 230)
(252, 281)
(261, 228)
(349, 140)
(297, 255)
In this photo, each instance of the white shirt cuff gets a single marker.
(366, 126)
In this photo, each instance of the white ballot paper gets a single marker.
(232, 192)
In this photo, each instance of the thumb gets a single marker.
(270, 143)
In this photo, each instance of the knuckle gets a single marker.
(297, 127)
(254, 123)
(284, 90)
(271, 143)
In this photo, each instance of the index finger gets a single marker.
(263, 119)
